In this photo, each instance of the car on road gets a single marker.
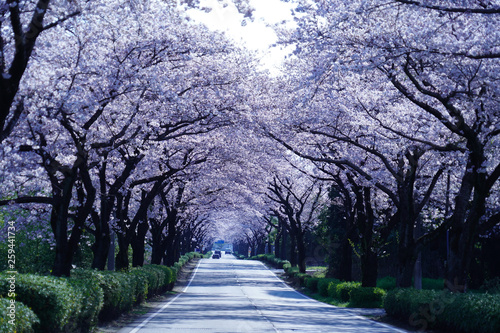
(217, 254)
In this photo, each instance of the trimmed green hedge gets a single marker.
(326, 283)
(366, 297)
(55, 301)
(342, 290)
(24, 319)
(312, 284)
(119, 293)
(75, 304)
(88, 283)
(389, 283)
(273, 261)
(465, 313)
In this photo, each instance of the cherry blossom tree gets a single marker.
(110, 104)
(417, 73)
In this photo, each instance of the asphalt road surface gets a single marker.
(230, 295)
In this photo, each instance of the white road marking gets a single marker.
(148, 319)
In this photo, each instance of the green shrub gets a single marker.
(366, 297)
(285, 263)
(323, 285)
(312, 284)
(119, 294)
(291, 271)
(468, 313)
(88, 284)
(343, 290)
(387, 283)
(301, 277)
(491, 286)
(141, 284)
(155, 278)
(24, 319)
(432, 284)
(401, 303)
(54, 300)
(177, 266)
(168, 274)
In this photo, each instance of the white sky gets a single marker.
(257, 34)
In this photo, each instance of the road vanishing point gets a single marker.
(229, 295)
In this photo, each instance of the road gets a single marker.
(230, 295)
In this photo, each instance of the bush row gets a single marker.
(272, 260)
(464, 313)
(76, 304)
(351, 292)
(389, 283)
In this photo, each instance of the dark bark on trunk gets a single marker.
(121, 259)
(369, 267)
(293, 252)
(170, 244)
(158, 244)
(345, 267)
(465, 220)
(283, 244)
(139, 243)
(66, 248)
(277, 242)
(59, 223)
(365, 221)
(100, 248)
(301, 252)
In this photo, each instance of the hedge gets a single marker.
(54, 300)
(389, 283)
(273, 261)
(119, 293)
(465, 313)
(341, 291)
(75, 304)
(324, 284)
(312, 284)
(88, 283)
(24, 319)
(366, 297)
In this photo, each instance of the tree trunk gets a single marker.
(301, 252)
(369, 269)
(100, 248)
(465, 221)
(277, 243)
(293, 254)
(345, 266)
(170, 255)
(283, 244)
(157, 245)
(59, 223)
(138, 244)
(121, 259)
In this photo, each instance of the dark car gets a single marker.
(217, 254)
